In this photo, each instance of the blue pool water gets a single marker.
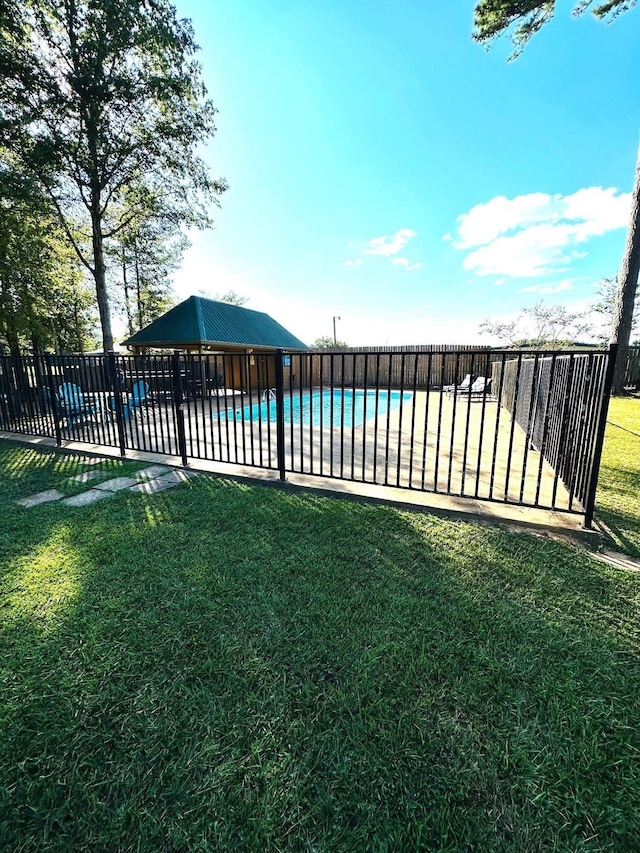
(344, 407)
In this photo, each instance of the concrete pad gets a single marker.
(617, 560)
(115, 484)
(41, 498)
(151, 472)
(178, 476)
(86, 498)
(150, 487)
(87, 475)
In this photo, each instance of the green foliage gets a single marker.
(327, 342)
(607, 295)
(548, 326)
(145, 252)
(229, 296)
(43, 299)
(522, 19)
(232, 298)
(103, 96)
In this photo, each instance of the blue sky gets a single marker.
(386, 169)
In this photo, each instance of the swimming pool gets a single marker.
(346, 408)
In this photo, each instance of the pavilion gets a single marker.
(200, 325)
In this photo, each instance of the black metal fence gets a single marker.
(514, 426)
(632, 369)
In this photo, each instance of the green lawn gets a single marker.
(618, 498)
(232, 667)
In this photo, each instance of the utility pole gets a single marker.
(335, 339)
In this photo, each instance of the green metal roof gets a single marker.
(206, 322)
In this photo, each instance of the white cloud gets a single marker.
(485, 222)
(548, 288)
(404, 262)
(537, 234)
(353, 263)
(390, 244)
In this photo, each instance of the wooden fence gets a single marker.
(428, 366)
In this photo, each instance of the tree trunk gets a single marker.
(627, 283)
(138, 287)
(76, 327)
(100, 273)
(127, 296)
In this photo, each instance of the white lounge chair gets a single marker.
(450, 390)
(479, 388)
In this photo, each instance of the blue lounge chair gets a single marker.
(134, 401)
(73, 405)
(52, 404)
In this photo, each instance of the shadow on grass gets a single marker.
(226, 667)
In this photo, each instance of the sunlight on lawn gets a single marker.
(46, 580)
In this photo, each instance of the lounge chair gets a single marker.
(134, 401)
(450, 390)
(52, 404)
(73, 405)
(479, 388)
(216, 384)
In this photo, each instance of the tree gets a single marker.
(539, 326)
(326, 342)
(522, 19)
(146, 253)
(43, 300)
(622, 321)
(605, 306)
(230, 297)
(97, 95)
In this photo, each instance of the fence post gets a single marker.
(602, 424)
(117, 397)
(178, 405)
(280, 412)
(53, 398)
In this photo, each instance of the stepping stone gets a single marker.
(150, 487)
(178, 475)
(41, 498)
(86, 498)
(115, 484)
(87, 475)
(151, 472)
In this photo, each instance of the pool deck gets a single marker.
(450, 445)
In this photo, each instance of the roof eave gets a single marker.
(238, 346)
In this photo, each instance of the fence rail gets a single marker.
(511, 426)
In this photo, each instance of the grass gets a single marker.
(618, 497)
(224, 667)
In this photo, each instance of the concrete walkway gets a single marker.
(155, 478)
